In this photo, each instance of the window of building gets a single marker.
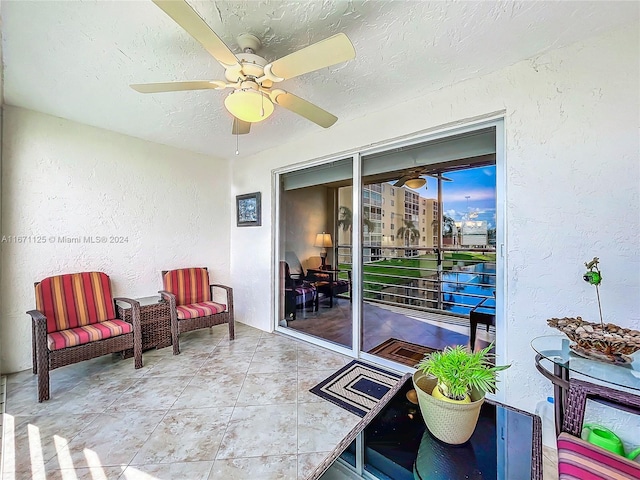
(392, 204)
(393, 227)
(393, 191)
(392, 237)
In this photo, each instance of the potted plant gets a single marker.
(451, 387)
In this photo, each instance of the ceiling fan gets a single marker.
(250, 76)
(413, 178)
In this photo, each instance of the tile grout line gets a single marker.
(297, 412)
(267, 348)
(3, 400)
(233, 409)
(169, 409)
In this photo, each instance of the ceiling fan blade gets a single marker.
(402, 180)
(240, 127)
(185, 16)
(438, 176)
(177, 86)
(303, 108)
(327, 52)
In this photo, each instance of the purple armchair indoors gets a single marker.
(298, 292)
(190, 296)
(326, 279)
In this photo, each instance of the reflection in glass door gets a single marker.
(412, 243)
(428, 251)
(314, 259)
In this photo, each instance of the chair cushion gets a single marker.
(200, 309)
(189, 285)
(74, 300)
(305, 293)
(88, 333)
(579, 459)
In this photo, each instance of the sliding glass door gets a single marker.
(418, 287)
(396, 263)
(314, 252)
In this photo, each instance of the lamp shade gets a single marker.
(249, 105)
(415, 182)
(323, 240)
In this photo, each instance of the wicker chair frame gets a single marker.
(179, 326)
(45, 360)
(576, 403)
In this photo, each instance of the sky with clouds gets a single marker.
(479, 184)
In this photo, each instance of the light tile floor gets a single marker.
(219, 410)
(549, 463)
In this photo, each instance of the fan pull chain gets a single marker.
(262, 104)
(237, 135)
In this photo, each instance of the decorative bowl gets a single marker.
(611, 344)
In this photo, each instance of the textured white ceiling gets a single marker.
(75, 59)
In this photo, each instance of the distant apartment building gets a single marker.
(387, 209)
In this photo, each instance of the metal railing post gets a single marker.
(440, 293)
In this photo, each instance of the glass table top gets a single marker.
(397, 445)
(555, 348)
(144, 301)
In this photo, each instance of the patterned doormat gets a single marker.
(402, 352)
(357, 387)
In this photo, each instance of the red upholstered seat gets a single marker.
(75, 300)
(578, 459)
(88, 333)
(200, 309)
(190, 298)
(189, 285)
(75, 320)
(581, 460)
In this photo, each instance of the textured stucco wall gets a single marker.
(572, 174)
(62, 178)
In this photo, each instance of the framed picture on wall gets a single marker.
(248, 210)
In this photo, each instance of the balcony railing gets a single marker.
(429, 279)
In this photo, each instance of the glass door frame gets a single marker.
(276, 198)
(492, 120)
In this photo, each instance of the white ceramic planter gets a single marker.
(452, 423)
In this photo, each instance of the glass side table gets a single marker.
(396, 444)
(555, 349)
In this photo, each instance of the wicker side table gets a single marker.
(155, 320)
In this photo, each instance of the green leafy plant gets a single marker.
(458, 371)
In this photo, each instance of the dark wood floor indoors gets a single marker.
(379, 325)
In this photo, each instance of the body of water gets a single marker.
(462, 287)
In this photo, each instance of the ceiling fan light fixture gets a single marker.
(249, 105)
(415, 182)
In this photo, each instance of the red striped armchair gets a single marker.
(579, 459)
(190, 296)
(75, 320)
